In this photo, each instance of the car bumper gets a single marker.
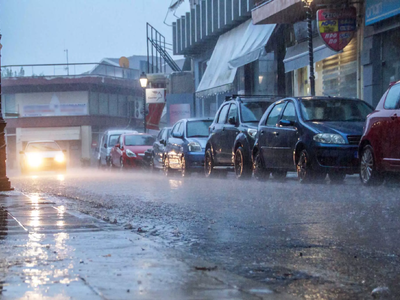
(134, 162)
(194, 160)
(45, 166)
(336, 158)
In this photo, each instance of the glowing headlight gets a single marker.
(59, 158)
(129, 153)
(252, 132)
(328, 138)
(34, 160)
(194, 147)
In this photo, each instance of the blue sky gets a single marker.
(38, 31)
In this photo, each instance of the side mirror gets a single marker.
(117, 145)
(105, 145)
(232, 120)
(286, 123)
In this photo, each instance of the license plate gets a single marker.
(141, 154)
(173, 161)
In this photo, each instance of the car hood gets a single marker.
(138, 149)
(44, 154)
(201, 140)
(343, 128)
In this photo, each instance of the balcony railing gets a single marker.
(68, 70)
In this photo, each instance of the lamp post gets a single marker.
(5, 184)
(143, 83)
(310, 44)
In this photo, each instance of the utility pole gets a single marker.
(67, 67)
(5, 184)
(310, 45)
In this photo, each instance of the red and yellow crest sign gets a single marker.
(337, 26)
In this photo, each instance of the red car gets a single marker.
(129, 150)
(379, 149)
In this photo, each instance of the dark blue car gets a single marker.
(313, 135)
(185, 147)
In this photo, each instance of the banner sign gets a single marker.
(378, 10)
(155, 95)
(337, 26)
(48, 110)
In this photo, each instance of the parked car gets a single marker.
(42, 156)
(107, 143)
(159, 147)
(185, 147)
(129, 151)
(311, 135)
(232, 134)
(380, 144)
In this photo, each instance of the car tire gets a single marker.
(209, 170)
(305, 173)
(185, 172)
(337, 177)
(369, 176)
(279, 175)
(259, 172)
(242, 167)
(168, 172)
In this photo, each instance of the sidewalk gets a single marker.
(48, 252)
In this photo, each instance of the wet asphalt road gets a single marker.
(317, 241)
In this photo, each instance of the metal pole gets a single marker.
(5, 184)
(144, 110)
(310, 49)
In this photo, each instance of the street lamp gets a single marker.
(308, 8)
(5, 184)
(143, 83)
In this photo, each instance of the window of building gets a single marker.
(122, 106)
(103, 104)
(93, 103)
(113, 104)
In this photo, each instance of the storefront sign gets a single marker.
(378, 10)
(337, 27)
(48, 110)
(155, 96)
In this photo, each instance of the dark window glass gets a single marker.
(160, 134)
(233, 112)
(44, 146)
(289, 113)
(253, 111)
(176, 128)
(139, 140)
(335, 110)
(198, 128)
(274, 114)
(392, 98)
(222, 115)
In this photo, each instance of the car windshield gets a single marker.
(253, 111)
(198, 128)
(139, 140)
(43, 146)
(113, 140)
(334, 110)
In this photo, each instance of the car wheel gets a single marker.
(168, 172)
(259, 172)
(279, 175)
(242, 168)
(185, 172)
(305, 173)
(337, 177)
(209, 170)
(368, 173)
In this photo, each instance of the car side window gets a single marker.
(274, 114)
(160, 134)
(181, 128)
(393, 97)
(222, 115)
(233, 111)
(289, 113)
(176, 128)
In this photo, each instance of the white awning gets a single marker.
(219, 76)
(297, 57)
(252, 45)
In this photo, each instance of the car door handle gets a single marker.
(394, 116)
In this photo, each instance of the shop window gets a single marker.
(10, 106)
(122, 106)
(113, 104)
(93, 103)
(390, 56)
(264, 75)
(103, 104)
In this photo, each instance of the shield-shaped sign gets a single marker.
(337, 26)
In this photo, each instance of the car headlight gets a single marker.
(252, 132)
(194, 147)
(129, 153)
(328, 138)
(34, 160)
(60, 158)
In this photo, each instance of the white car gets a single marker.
(42, 156)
